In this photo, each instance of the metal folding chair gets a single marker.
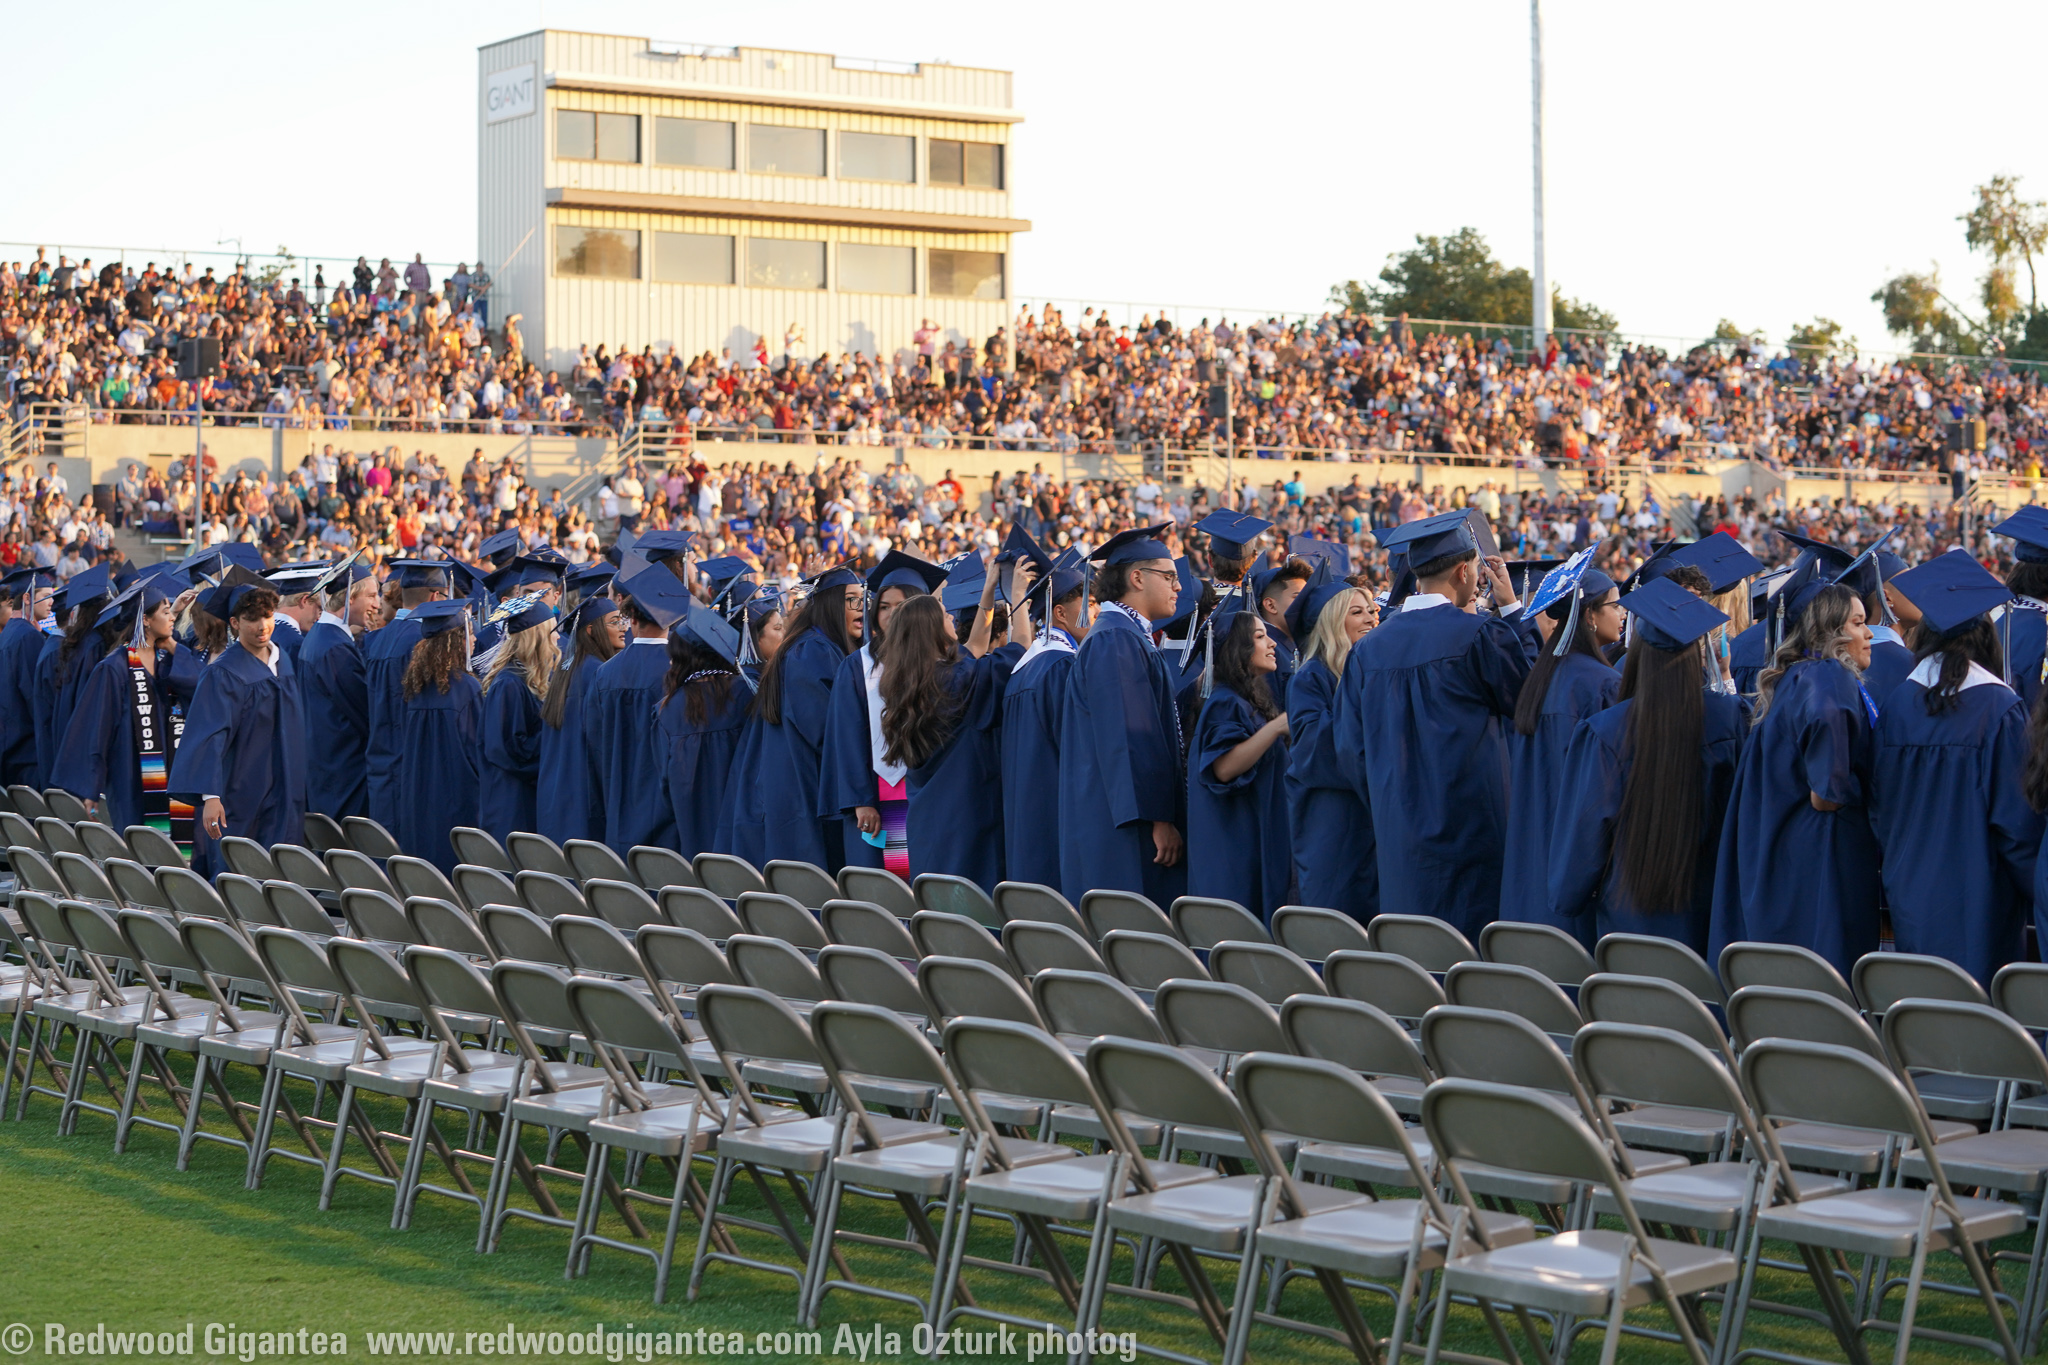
(369, 838)
(1428, 942)
(621, 904)
(21, 830)
(1313, 934)
(1267, 970)
(101, 842)
(692, 907)
(1144, 962)
(1035, 945)
(878, 886)
(1783, 965)
(479, 849)
(84, 878)
(57, 836)
(858, 924)
(656, 869)
(324, 833)
(64, 806)
(1550, 953)
(1666, 958)
(481, 886)
(302, 865)
(444, 924)
(1080, 1005)
(1108, 911)
(942, 935)
(353, 867)
(103, 949)
(518, 934)
(418, 877)
(374, 916)
(1205, 921)
(775, 916)
(191, 894)
(1031, 902)
(249, 858)
(957, 986)
(726, 876)
(292, 906)
(28, 802)
(536, 853)
(1517, 990)
(153, 848)
(805, 883)
(590, 861)
(549, 895)
(136, 885)
(868, 976)
(1364, 1039)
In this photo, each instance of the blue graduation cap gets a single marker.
(1670, 618)
(1232, 533)
(225, 597)
(499, 549)
(1662, 560)
(1069, 572)
(658, 593)
(435, 617)
(965, 577)
(723, 570)
(1865, 574)
(658, 546)
(900, 570)
(21, 578)
(1525, 574)
(588, 610)
(424, 573)
(838, 576)
(586, 576)
(1135, 545)
(1567, 579)
(142, 596)
(88, 586)
(521, 571)
(1952, 590)
(522, 613)
(1721, 558)
(1019, 549)
(1308, 608)
(715, 633)
(1428, 538)
(1323, 554)
(548, 554)
(297, 578)
(212, 562)
(2028, 530)
(1189, 599)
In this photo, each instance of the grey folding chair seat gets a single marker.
(1078, 1007)
(658, 868)
(1362, 1038)
(136, 885)
(878, 886)
(727, 877)
(1665, 958)
(21, 829)
(417, 877)
(292, 906)
(1035, 945)
(249, 858)
(1517, 990)
(101, 841)
(692, 907)
(1424, 940)
(548, 895)
(1107, 911)
(1267, 970)
(28, 802)
(1817, 1083)
(517, 933)
(942, 935)
(1661, 1003)
(770, 965)
(40, 930)
(1597, 1273)
(324, 833)
(1783, 965)
(64, 806)
(805, 883)
(1039, 904)
(1205, 921)
(1217, 1022)
(296, 863)
(479, 849)
(621, 904)
(481, 886)
(1550, 953)
(774, 916)
(944, 894)
(374, 916)
(1881, 979)
(1312, 933)
(857, 924)
(2020, 989)
(57, 836)
(591, 861)
(191, 894)
(444, 924)
(84, 878)
(1394, 983)
(537, 853)
(153, 848)
(1144, 962)
(353, 867)
(368, 837)
(955, 987)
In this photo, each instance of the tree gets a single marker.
(2007, 228)
(1821, 337)
(1724, 330)
(1915, 307)
(1456, 278)
(2011, 232)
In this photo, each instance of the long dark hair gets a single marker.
(1657, 840)
(687, 657)
(1976, 643)
(1816, 635)
(1234, 665)
(823, 613)
(1529, 705)
(435, 661)
(84, 619)
(593, 641)
(919, 711)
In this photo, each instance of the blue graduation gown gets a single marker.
(1960, 841)
(1120, 765)
(1336, 859)
(569, 808)
(510, 776)
(1031, 767)
(2023, 635)
(846, 761)
(1585, 897)
(1748, 657)
(1788, 873)
(784, 763)
(1288, 661)
(244, 742)
(1890, 662)
(335, 691)
(20, 645)
(45, 698)
(624, 754)
(287, 636)
(386, 652)
(955, 820)
(440, 768)
(697, 766)
(1238, 844)
(98, 757)
(1580, 687)
(1421, 714)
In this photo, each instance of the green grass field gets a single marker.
(132, 1243)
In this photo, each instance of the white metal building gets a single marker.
(634, 192)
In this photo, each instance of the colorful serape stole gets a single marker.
(895, 808)
(157, 730)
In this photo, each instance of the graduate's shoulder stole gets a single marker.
(158, 728)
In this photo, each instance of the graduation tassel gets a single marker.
(1571, 627)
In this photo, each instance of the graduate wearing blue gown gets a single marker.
(1748, 656)
(100, 755)
(440, 765)
(701, 722)
(1239, 846)
(1421, 715)
(508, 796)
(21, 642)
(334, 688)
(621, 739)
(1032, 706)
(572, 810)
(1598, 883)
(1948, 799)
(1564, 688)
(65, 659)
(1274, 591)
(1336, 858)
(386, 652)
(2022, 624)
(1789, 870)
(288, 637)
(1121, 791)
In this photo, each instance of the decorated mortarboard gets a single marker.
(1721, 558)
(522, 613)
(1232, 533)
(1525, 574)
(966, 576)
(548, 554)
(499, 549)
(1322, 554)
(522, 571)
(662, 545)
(1670, 618)
(659, 594)
(1429, 538)
(1190, 596)
(435, 617)
(899, 570)
(2028, 530)
(1952, 590)
(1135, 546)
(221, 600)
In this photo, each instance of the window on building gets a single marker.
(583, 136)
(597, 253)
(785, 151)
(977, 165)
(877, 156)
(966, 274)
(693, 142)
(865, 269)
(773, 263)
(692, 258)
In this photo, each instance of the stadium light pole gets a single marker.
(1539, 302)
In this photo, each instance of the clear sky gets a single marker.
(1765, 162)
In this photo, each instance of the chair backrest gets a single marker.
(517, 933)
(745, 1021)
(294, 907)
(1652, 955)
(1514, 1128)
(136, 884)
(353, 867)
(769, 964)
(249, 858)
(226, 954)
(28, 802)
(57, 836)
(368, 837)
(548, 895)
(418, 877)
(656, 868)
(1759, 1012)
(692, 907)
(1881, 979)
(34, 870)
(1108, 911)
(153, 938)
(64, 806)
(591, 945)
(2021, 990)
(857, 1041)
(1963, 1038)
(374, 980)
(1145, 961)
(84, 878)
(98, 936)
(101, 841)
(1217, 1016)
(775, 916)
(1653, 1002)
(324, 833)
(296, 961)
(479, 849)
(621, 904)
(190, 894)
(1035, 945)
(942, 935)
(153, 848)
(534, 995)
(1324, 1101)
(374, 915)
(1641, 1065)
(1267, 970)
(1161, 1082)
(953, 986)
(1091, 1004)
(1205, 921)
(1518, 990)
(1819, 1083)
(1035, 903)
(1353, 1035)
(725, 876)
(1550, 953)
(1005, 1057)
(21, 830)
(805, 883)
(1493, 1045)
(858, 924)
(871, 977)
(296, 863)
(1423, 939)
(481, 886)
(684, 956)
(444, 924)
(246, 903)
(615, 1015)
(450, 983)
(1312, 933)
(537, 853)
(590, 860)
(878, 886)
(1781, 964)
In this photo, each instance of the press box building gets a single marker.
(634, 192)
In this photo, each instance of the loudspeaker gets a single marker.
(199, 358)
(1219, 400)
(1967, 434)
